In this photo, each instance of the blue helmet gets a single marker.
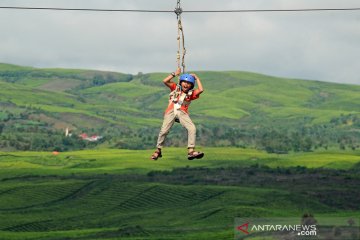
(188, 78)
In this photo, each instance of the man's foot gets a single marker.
(157, 154)
(192, 155)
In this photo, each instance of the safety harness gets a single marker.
(178, 98)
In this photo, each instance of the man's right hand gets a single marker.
(178, 72)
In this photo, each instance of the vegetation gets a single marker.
(275, 147)
(238, 109)
(120, 194)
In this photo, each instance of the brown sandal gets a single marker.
(157, 154)
(192, 155)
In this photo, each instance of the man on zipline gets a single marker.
(180, 98)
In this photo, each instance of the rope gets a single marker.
(180, 38)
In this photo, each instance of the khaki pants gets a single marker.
(185, 121)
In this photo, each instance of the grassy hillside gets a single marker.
(246, 122)
(120, 194)
(237, 109)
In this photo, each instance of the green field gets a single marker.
(120, 161)
(121, 194)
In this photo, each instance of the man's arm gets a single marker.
(200, 88)
(167, 81)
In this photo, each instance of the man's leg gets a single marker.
(190, 126)
(168, 122)
(187, 123)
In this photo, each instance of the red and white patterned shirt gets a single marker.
(185, 106)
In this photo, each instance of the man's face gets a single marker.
(186, 86)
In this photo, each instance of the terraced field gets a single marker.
(154, 210)
(120, 194)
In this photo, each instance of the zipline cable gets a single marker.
(188, 11)
(274, 10)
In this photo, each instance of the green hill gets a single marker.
(244, 120)
(239, 109)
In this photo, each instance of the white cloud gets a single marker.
(321, 45)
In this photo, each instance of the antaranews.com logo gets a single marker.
(304, 228)
(300, 230)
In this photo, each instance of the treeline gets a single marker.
(50, 141)
(18, 131)
(283, 137)
(293, 137)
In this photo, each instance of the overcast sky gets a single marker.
(308, 45)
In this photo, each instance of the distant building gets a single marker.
(67, 133)
(93, 138)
